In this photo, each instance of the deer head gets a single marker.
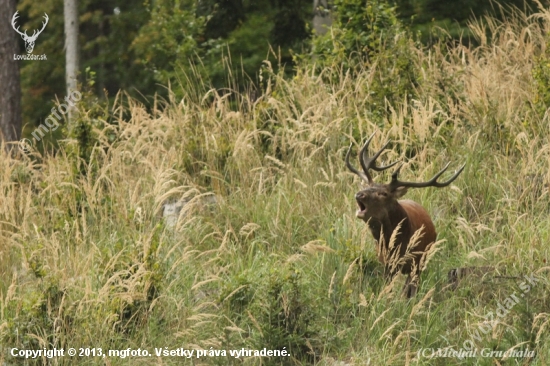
(29, 40)
(377, 200)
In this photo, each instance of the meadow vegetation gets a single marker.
(86, 259)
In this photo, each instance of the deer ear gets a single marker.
(400, 192)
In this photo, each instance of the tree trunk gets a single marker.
(70, 12)
(10, 89)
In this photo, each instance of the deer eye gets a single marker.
(383, 194)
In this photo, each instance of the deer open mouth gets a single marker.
(362, 211)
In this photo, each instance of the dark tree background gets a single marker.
(10, 94)
(140, 46)
(424, 15)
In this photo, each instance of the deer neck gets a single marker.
(382, 228)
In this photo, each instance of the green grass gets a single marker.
(86, 260)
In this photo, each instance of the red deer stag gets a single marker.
(383, 213)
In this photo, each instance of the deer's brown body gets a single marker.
(380, 208)
(412, 217)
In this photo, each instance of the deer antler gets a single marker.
(396, 183)
(13, 20)
(43, 26)
(29, 41)
(24, 34)
(366, 162)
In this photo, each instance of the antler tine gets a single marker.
(365, 165)
(44, 23)
(366, 162)
(370, 163)
(395, 183)
(396, 173)
(46, 18)
(381, 168)
(13, 24)
(366, 178)
(444, 184)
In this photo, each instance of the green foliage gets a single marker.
(286, 313)
(141, 48)
(82, 133)
(359, 32)
(170, 38)
(369, 36)
(41, 320)
(208, 38)
(251, 32)
(279, 309)
(429, 17)
(140, 270)
(396, 77)
(246, 48)
(107, 30)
